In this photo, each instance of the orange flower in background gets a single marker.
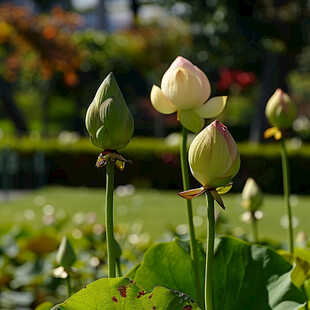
(48, 38)
(50, 32)
(71, 79)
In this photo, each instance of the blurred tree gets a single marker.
(46, 6)
(11, 109)
(261, 36)
(102, 15)
(137, 56)
(49, 58)
(33, 50)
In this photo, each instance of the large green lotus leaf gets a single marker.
(307, 288)
(248, 276)
(245, 276)
(300, 272)
(44, 306)
(132, 272)
(169, 264)
(122, 293)
(300, 260)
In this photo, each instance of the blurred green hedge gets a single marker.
(68, 160)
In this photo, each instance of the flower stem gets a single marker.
(69, 289)
(118, 267)
(109, 218)
(254, 228)
(186, 186)
(209, 252)
(287, 191)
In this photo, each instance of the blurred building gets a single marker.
(110, 15)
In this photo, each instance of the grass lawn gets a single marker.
(158, 211)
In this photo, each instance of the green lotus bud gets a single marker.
(251, 196)
(65, 255)
(108, 119)
(213, 156)
(280, 110)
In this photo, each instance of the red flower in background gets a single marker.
(235, 77)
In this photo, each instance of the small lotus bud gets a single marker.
(65, 255)
(213, 156)
(251, 195)
(108, 119)
(280, 110)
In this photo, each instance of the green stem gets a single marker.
(209, 252)
(118, 267)
(193, 244)
(109, 218)
(69, 289)
(254, 228)
(287, 191)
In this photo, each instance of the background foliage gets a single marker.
(70, 161)
(51, 64)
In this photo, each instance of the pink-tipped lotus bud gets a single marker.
(185, 85)
(185, 89)
(280, 110)
(213, 156)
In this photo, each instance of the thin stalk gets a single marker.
(118, 267)
(209, 252)
(254, 228)
(192, 237)
(69, 289)
(287, 192)
(109, 218)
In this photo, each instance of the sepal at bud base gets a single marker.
(192, 193)
(115, 157)
(217, 197)
(273, 132)
(224, 189)
(108, 119)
